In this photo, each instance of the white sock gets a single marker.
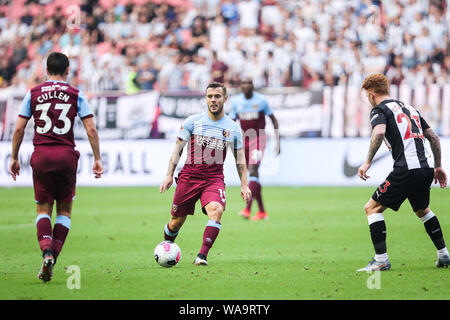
(442, 252)
(381, 257)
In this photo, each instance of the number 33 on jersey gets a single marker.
(54, 106)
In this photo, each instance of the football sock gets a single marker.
(60, 231)
(377, 228)
(209, 236)
(44, 231)
(255, 188)
(169, 235)
(433, 228)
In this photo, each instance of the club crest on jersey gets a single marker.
(174, 208)
(226, 133)
(255, 106)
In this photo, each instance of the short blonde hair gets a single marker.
(376, 83)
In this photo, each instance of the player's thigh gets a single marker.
(419, 190)
(393, 191)
(213, 197)
(187, 193)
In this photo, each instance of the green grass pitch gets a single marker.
(310, 247)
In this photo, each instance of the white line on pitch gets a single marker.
(12, 226)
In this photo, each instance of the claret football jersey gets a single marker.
(208, 141)
(250, 112)
(54, 106)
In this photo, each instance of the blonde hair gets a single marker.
(376, 83)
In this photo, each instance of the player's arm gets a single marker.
(435, 144)
(241, 167)
(269, 112)
(91, 130)
(378, 133)
(19, 132)
(173, 162)
(277, 133)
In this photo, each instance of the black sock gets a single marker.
(378, 235)
(434, 231)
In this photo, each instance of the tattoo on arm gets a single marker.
(175, 157)
(435, 146)
(375, 143)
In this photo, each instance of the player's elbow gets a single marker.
(92, 132)
(19, 131)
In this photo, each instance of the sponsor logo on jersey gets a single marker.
(210, 142)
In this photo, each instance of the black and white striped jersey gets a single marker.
(404, 134)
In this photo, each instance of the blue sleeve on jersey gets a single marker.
(25, 108)
(83, 107)
(187, 129)
(238, 144)
(377, 117)
(233, 113)
(267, 110)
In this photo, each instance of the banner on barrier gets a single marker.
(333, 112)
(302, 162)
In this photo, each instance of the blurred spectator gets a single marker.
(309, 43)
(147, 75)
(218, 69)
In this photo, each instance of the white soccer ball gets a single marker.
(167, 254)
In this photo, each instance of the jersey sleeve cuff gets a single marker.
(88, 116)
(23, 116)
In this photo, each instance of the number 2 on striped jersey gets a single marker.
(409, 134)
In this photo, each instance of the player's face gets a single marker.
(247, 86)
(215, 100)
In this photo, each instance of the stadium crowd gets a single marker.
(132, 45)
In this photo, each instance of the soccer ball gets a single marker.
(167, 254)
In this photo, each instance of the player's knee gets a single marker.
(214, 210)
(253, 170)
(421, 213)
(372, 207)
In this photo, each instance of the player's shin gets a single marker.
(377, 228)
(44, 231)
(60, 231)
(433, 228)
(169, 235)
(209, 236)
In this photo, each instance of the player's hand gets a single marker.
(165, 185)
(14, 168)
(97, 169)
(440, 176)
(362, 171)
(246, 194)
